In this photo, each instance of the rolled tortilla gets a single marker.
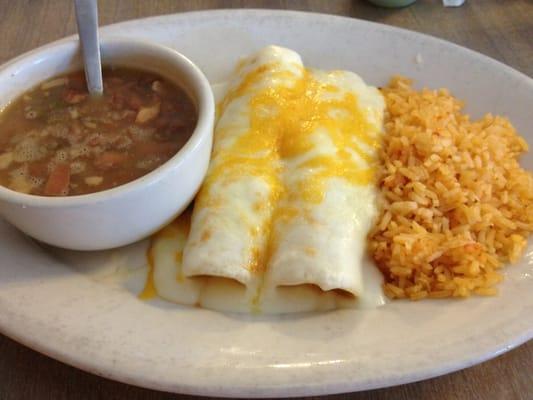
(320, 227)
(231, 221)
(281, 220)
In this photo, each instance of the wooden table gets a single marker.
(500, 29)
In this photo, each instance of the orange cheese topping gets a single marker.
(180, 226)
(149, 291)
(283, 118)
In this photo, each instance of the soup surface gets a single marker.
(56, 140)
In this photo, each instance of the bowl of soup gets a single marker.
(91, 173)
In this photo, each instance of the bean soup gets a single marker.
(56, 140)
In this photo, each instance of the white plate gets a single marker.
(100, 327)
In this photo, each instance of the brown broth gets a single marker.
(55, 140)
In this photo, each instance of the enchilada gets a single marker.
(280, 222)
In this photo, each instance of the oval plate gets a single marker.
(53, 308)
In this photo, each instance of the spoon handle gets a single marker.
(87, 19)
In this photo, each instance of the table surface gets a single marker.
(500, 29)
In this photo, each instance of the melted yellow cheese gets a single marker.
(282, 120)
(180, 226)
(149, 291)
(280, 220)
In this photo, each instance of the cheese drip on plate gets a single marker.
(281, 220)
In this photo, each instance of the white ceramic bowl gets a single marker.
(130, 212)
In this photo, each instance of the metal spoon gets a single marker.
(87, 19)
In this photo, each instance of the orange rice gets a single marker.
(456, 205)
